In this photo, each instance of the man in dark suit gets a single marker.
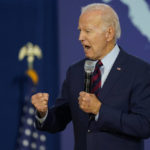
(121, 110)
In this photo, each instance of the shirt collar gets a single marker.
(110, 58)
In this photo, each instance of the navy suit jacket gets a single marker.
(124, 117)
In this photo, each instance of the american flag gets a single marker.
(29, 138)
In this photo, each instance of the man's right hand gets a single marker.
(40, 102)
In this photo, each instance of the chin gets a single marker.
(89, 57)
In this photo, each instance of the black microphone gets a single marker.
(89, 67)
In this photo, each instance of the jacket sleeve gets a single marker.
(135, 122)
(59, 115)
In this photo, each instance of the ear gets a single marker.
(110, 34)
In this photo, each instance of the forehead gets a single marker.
(90, 18)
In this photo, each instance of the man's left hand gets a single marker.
(89, 103)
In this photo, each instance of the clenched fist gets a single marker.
(89, 103)
(40, 102)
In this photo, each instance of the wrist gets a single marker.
(98, 106)
(41, 114)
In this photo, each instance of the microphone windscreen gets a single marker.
(89, 66)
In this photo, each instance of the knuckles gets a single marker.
(40, 101)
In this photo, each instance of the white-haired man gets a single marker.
(115, 114)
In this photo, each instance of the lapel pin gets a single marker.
(118, 68)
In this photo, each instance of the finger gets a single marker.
(34, 99)
(41, 107)
(45, 102)
(83, 104)
(39, 102)
(42, 97)
(39, 95)
(84, 108)
(80, 101)
(35, 96)
(46, 96)
(79, 98)
(82, 93)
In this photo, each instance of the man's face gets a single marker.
(92, 36)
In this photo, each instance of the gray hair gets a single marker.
(109, 16)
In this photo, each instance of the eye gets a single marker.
(79, 29)
(87, 31)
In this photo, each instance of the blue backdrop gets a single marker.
(23, 21)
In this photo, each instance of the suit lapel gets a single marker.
(114, 75)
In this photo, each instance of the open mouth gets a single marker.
(87, 47)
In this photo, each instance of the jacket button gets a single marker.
(89, 131)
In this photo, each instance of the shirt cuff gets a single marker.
(41, 120)
(96, 117)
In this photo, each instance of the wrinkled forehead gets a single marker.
(90, 18)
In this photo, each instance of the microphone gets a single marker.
(89, 67)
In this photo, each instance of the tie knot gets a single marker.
(99, 64)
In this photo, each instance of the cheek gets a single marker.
(100, 42)
(96, 43)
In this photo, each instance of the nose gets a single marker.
(81, 36)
